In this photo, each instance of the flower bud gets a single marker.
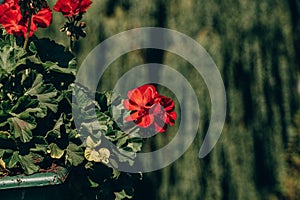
(69, 33)
(82, 24)
(63, 29)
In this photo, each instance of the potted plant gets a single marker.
(39, 142)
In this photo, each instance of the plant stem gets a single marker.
(27, 38)
(71, 45)
(28, 31)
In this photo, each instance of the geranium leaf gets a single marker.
(2, 165)
(57, 53)
(4, 134)
(45, 93)
(10, 58)
(39, 148)
(93, 184)
(55, 151)
(32, 47)
(92, 155)
(122, 195)
(74, 154)
(14, 159)
(23, 103)
(22, 127)
(91, 143)
(72, 64)
(116, 173)
(56, 129)
(51, 66)
(27, 163)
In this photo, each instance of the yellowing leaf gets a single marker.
(101, 155)
(122, 195)
(91, 155)
(2, 164)
(55, 151)
(91, 144)
(104, 155)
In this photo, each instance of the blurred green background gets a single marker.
(256, 46)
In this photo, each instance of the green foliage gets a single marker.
(37, 129)
(33, 100)
(105, 180)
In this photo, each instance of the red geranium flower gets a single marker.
(43, 18)
(148, 108)
(10, 18)
(71, 8)
(14, 23)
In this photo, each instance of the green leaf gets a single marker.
(56, 129)
(39, 148)
(4, 134)
(45, 93)
(32, 47)
(93, 184)
(55, 151)
(10, 58)
(122, 195)
(135, 147)
(14, 159)
(116, 173)
(72, 64)
(51, 66)
(57, 54)
(74, 154)
(26, 104)
(27, 163)
(2, 151)
(22, 127)
(121, 141)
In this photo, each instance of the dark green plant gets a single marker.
(37, 130)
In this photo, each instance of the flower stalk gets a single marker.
(28, 31)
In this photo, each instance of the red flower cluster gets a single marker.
(148, 108)
(16, 24)
(70, 8)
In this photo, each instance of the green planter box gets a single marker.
(41, 186)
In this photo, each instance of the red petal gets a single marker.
(171, 118)
(129, 105)
(84, 5)
(145, 121)
(159, 129)
(136, 97)
(43, 18)
(132, 117)
(156, 109)
(143, 88)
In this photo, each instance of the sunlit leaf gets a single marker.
(122, 195)
(55, 151)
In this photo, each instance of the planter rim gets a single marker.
(34, 180)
